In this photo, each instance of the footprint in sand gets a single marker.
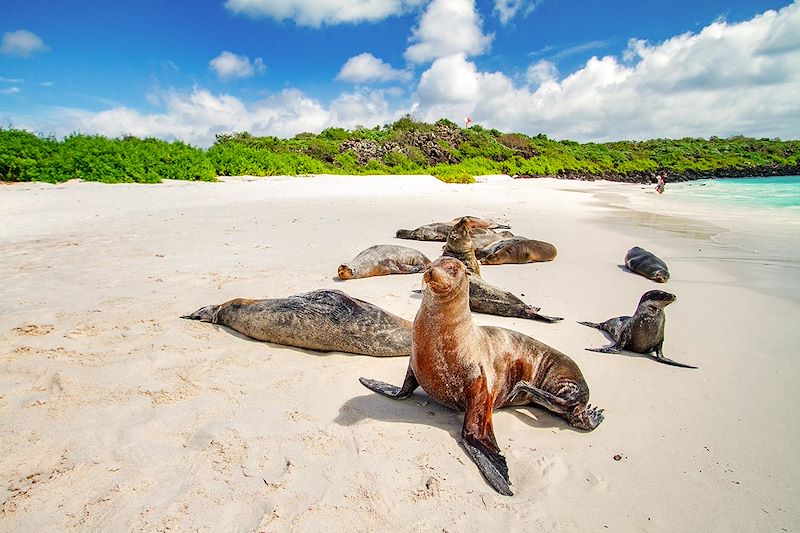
(33, 330)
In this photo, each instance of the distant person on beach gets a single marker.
(660, 185)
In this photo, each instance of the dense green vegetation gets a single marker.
(407, 146)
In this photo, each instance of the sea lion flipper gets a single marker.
(396, 393)
(591, 324)
(668, 361)
(545, 318)
(479, 441)
(606, 349)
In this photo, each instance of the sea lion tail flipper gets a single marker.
(606, 349)
(396, 393)
(668, 361)
(545, 318)
(591, 324)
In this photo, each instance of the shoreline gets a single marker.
(117, 414)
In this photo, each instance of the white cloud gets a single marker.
(197, 116)
(366, 67)
(22, 43)
(508, 9)
(228, 65)
(10, 90)
(315, 13)
(727, 79)
(447, 27)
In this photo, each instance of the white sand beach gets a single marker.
(115, 414)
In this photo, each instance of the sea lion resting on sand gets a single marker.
(479, 368)
(383, 259)
(324, 320)
(483, 296)
(646, 264)
(437, 231)
(516, 250)
(641, 333)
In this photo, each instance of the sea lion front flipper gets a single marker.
(479, 441)
(667, 361)
(396, 393)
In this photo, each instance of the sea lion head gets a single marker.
(459, 238)
(204, 314)
(657, 299)
(345, 272)
(445, 275)
(661, 276)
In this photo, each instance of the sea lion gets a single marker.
(437, 231)
(488, 299)
(481, 239)
(459, 245)
(516, 250)
(383, 259)
(643, 332)
(477, 369)
(324, 320)
(483, 296)
(646, 264)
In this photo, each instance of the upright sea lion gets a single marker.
(383, 259)
(646, 264)
(641, 333)
(437, 231)
(480, 368)
(324, 320)
(459, 245)
(516, 250)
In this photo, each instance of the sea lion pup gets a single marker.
(477, 369)
(483, 296)
(641, 333)
(324, 320)
(646, 264)
(437, 231)
(384, 259)
(516, 250)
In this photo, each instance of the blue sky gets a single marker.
(570, 69)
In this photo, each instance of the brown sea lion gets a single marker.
(437, 231)
(516, 250)
(384, 259)
(646, 264)
(478, 369)
(459, 245)
(641, 333)
(324, 320)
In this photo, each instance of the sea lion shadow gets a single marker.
(419, 408)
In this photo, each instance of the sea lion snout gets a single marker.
(345, 272)
(444, 274)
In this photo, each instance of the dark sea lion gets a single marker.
(459, 245)
(437, 231)
(488, 299)
(516, 250)
(641, 333)
(646, 264)
(324, 320)
(384, 259)
(478, 369)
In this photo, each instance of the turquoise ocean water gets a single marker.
(757, 221)
(769, 192)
